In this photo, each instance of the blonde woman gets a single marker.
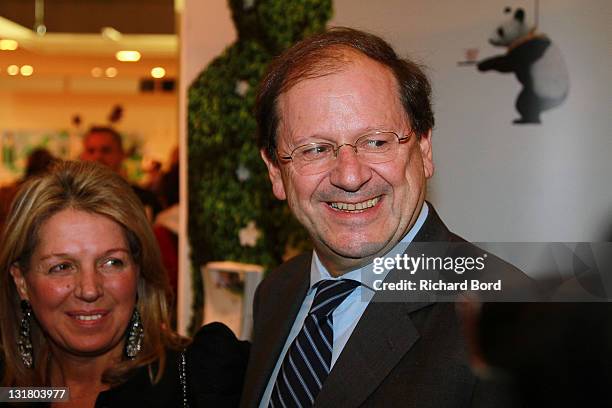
(84, 302)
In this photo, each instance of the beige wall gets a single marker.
(152, 117)
(62, 86)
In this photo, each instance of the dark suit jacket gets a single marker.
(400, 354)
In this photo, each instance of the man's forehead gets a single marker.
(328, 61)
(339, 65)
(362, 90)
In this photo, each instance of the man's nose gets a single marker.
(349, 173)
(89, 285)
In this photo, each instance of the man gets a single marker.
(346, 128)
(103, 145)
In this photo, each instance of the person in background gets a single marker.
(166, 226)
(83, 302)
(153, 175)
(104, 145)
(39, 161)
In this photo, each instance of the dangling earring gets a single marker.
(135, 334)
(24, 343)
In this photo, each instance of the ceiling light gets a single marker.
(127, 56)
(96, 72)
(111, 72)
(111, 34)
(8, 45)
(12, 70)
(39, 17)
(158, 72)
(41, 29)
(26, 70)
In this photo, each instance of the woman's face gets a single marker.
(81, 283)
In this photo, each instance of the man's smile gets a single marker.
(354, 207)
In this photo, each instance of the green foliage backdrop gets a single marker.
(228, 182)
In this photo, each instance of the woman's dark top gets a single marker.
(215, 367)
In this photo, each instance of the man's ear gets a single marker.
(20, 281)
(426, 154)
(274, 172)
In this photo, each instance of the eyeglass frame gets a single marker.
(336, 149)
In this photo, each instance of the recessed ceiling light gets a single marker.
(96, 72)
(26, 70)
(127, 56)
(40, 29)
(111, 72)
(111, 34)
(12, 70)
(8, 45)
(158, 72)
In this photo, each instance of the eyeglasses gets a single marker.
(372, 148)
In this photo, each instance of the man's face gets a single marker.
(338, 108)
(101, 147)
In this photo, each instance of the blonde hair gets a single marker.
(92, 188)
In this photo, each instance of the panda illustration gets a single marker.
(536, 62)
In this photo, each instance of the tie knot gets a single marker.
(330, 293)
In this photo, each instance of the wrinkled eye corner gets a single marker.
(283, 158)
(403, 139)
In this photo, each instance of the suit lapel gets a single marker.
(433, 229)
(384, 334)
(382, 337)
(274, 324)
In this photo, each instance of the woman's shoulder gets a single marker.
(216, 365)
(213, 366)
(218, 337)
(215, 346)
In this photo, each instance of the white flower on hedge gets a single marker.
(243, 173)
(248, 4)
(249, 235)
(242, 87)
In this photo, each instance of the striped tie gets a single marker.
(308, 360)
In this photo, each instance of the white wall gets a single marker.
(206, 30)
(495, 181)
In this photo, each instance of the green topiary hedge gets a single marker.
(229, 189)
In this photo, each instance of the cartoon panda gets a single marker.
(536, 62)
